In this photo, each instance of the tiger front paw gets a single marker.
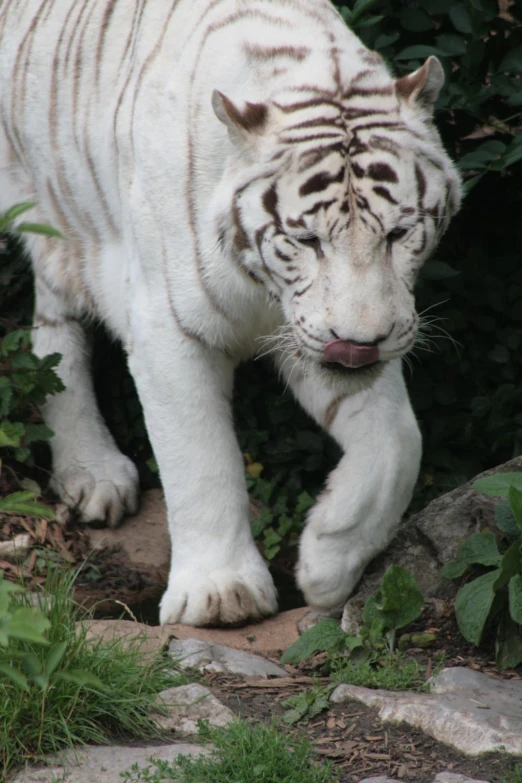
(223, 597)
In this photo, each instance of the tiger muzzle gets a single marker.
(350, 354)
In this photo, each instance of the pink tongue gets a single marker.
(350, 354)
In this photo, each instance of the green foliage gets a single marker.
(281, 517)
(325, 636)
(25, 382)
(394, 672)
(58, 687)
(516, 775)
(24, 503)
(307, 704)
(17, 622)
(494, 597)
(9, 223)
(394, 605)
(240, 753)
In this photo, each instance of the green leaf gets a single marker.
(11, 433)
(323, 637)
(451, 44)
(397, 602)
(27, 624)
(31, 665)
(415, 20)
(82, 678)
(515, 598)
(368, 21)
(513, 155)
(508, 644)
(15, 675)
(515, 503)
(419, 52)
(18, 209)
(360, 7)
(512, 61)
(498, 484)
(461, 18)
(509, 565)
(386, 39)
(54, 656)
(23, 503)
(38, 228)
(505, 520)
(36, 432)
(473, 606)
(480, 549)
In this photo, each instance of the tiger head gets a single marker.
(337, 202)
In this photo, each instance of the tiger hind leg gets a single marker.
(90, 474)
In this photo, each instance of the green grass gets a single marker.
(392, 672)
(55, 712)
(241, 753)
(516, 775)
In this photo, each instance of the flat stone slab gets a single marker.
(452, 777)
(271, 636)
(473, 712)
(442, 777)
(149, 639)
(210, 657)
(379, 779)
(100, 764)
(268, 637)
(189, 703)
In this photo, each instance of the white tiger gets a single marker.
(225, 171)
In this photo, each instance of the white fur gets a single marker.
(126, 156)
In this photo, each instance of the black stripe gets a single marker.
(321, 181)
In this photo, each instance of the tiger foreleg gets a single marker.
(89, 473)
(217, 575)
(367, 493)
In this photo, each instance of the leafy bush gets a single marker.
(25, 380)
(58, 687)
(493, 596)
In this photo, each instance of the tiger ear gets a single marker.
(422, 87)
(250, 118)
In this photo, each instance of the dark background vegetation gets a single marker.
(467, 392)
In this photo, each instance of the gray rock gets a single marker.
(15, 548)
(189, 703)
(451, 777)
(473, 712)
(380, 780)
(96, 764)
(428, 540)
(211, 657)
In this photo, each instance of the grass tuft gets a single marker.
(241, 753)
(65, 707)
(392, 672)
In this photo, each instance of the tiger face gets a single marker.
(336, 223)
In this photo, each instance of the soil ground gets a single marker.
(358, 744)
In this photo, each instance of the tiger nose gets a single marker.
(350, 353)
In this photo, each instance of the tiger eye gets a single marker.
(396, 233)
(311, 241)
